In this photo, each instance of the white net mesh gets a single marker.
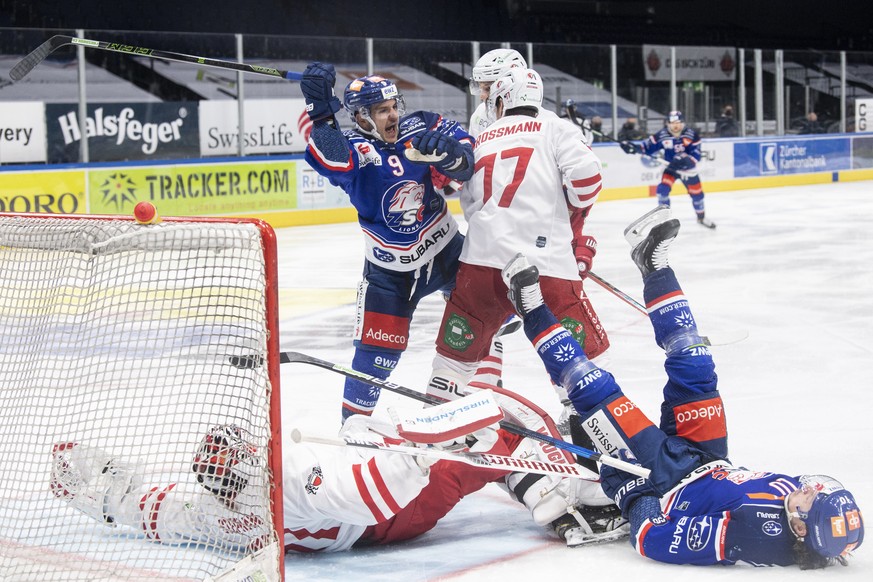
(118, 336)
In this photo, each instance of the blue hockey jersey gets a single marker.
(404, 218)
(721, 514)
(688, 143)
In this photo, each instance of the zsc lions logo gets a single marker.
(403, 207)
(314, 481)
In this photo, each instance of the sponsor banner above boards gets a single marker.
(272, 126)
(123, 131)
(693, 63)
(22, 132)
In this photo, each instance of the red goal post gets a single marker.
(117, 336)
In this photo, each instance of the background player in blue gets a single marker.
(681, 145)
(389, 166)
(696, 507)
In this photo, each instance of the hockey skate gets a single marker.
(585, 525)
(523, 281)
(703, 221)
(650, 236)
(90, 480)
(639, 229)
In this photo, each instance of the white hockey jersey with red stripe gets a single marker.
(333, 494)
(516, 200)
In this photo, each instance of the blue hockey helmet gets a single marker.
(834, 523)
(364, 92)
(675, 116)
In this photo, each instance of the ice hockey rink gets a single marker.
(792, 266)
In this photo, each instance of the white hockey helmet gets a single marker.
(493, 65)
(518, 88)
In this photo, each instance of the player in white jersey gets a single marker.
(530, 169)
(534, 177)
(334, 497)
(490, 67)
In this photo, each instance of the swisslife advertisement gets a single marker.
(271, 126)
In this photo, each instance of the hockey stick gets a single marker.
(618, 293)
(722, 338)
(297, 357)
(39, 54)
(484, 460)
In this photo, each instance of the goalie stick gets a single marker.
(722, 338)
(40, 53)
(484, 460)
(253, 361)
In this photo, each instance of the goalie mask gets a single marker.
(833, 521)
(364, 92)
(225, 461)
(493, 65)
(518, 88)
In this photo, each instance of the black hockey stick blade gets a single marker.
(42, 51)
(297, 357)
(38, 55)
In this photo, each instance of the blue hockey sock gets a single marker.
(663, 193)
(554, 344)
(697, 203)
(668, 308)
(361, 398)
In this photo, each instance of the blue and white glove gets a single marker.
(621, 487)
(440, 150)
(630, 147)
(682, 162)
(317, 87)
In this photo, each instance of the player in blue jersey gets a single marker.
(391, 166)
(681, 145)
(696, 507)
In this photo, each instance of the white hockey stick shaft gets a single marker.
(483, 460)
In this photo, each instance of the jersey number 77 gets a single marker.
(522, 157)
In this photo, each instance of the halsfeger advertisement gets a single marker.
(22, 132)
(123, 131)
(272, 126)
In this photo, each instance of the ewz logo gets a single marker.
(769, 158)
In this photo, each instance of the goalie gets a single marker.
(334, 498)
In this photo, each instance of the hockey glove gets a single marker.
(317, 87)
(584, 247)
(441, 150)
(630, 147)
(682, 163)
(624, 488)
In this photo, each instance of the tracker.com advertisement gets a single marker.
(196, 189)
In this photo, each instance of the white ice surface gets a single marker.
(792, 266)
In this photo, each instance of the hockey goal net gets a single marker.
(119, 337)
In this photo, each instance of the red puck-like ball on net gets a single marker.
(146, 213)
